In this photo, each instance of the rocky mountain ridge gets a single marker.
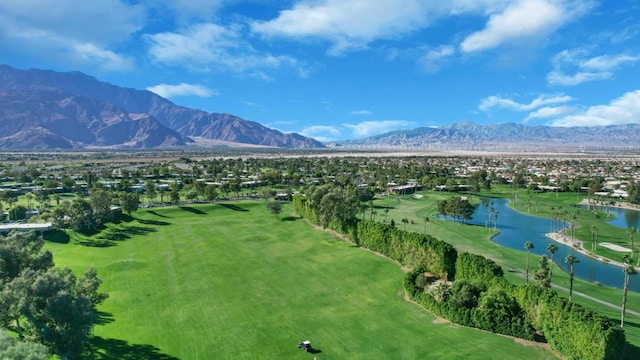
(467, 135)
(46, 109)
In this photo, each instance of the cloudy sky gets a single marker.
(340, 69)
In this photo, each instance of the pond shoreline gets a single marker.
(577, 246)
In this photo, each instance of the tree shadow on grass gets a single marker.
(289, 218)
(153, 222)
(122, 217)
(192, 210)
(631, 351)
(104, 318)
(56, 236)
(116, 349)
(233, 207)
(111, 236)
(153, 212)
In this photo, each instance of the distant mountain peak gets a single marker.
(53, 95)
(507, 137)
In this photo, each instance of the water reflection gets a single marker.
(516, 228)
(620, 217)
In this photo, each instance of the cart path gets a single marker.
(613, 306)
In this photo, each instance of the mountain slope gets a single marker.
(49, 119)
(187, 122)
(468, 135)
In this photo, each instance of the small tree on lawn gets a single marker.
(274, 207)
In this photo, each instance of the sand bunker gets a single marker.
(615, 247)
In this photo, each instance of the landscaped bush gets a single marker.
(569, 328)
(475, 267)
(410, 249)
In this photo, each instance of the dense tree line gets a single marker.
(42, 303)
(408, 248)
(458, 208)
(481, 297)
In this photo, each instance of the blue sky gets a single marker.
(342, 69)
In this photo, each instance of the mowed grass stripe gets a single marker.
(230, 281)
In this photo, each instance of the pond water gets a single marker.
(620, 217)
(516, 228)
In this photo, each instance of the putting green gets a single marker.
(230, 281)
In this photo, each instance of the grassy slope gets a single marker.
(477, 240)
(233, 282)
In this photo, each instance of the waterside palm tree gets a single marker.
(570, 259)
(631, 230)
(551, 248)
(528, 245)
(628, 270)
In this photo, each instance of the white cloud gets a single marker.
(69, 31)
(370, 128)
(584, 69)
(169, 91)
(321, 132)
(524, 20)
(347, 24)
(107, 60)
(497, 101)
(362, 112)
(211, 47)
(550, 112)
(432, 60)
(623, 110)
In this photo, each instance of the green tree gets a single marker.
(174, 193)
(405, 221)
(425, 220)
(541, 275)
(101, 201)
(80, 215)
(210, 193)
(130, 202)
(551, 248)
(274, 207)
(528, 245)
(88, 285)
(192, 195)
(60, 317)
(570, 259)
(14, 349)
(150, 190)
(18, 212)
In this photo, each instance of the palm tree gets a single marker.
(404, 223)
(594, 231)
(597, 217)
(553, 217)
(631, 230)
(628, 270)
(528, 245)
(426, 220)
(551, 248)
(570, 259)
(495, 220)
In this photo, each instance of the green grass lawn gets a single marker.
(477, 240)
(230, 281)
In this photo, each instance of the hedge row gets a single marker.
(410, 249)
(569, 328)
(505, 317)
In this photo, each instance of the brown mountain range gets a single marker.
(42, 109)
